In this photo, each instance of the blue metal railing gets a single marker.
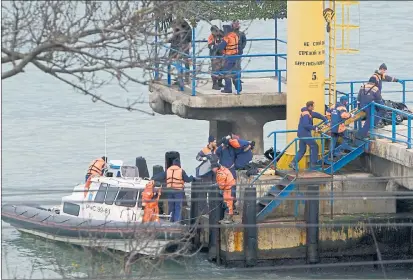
(193, 57)
(395, 136)
(352, 93)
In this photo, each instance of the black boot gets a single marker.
(215, 84)
(220, 84)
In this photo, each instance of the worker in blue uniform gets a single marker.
(229, 48)
(380, 75)
(243, 150)
(369, 92)
(338, 115)
(241, 44)
(226, 156)
(210, 149)
(305, 126)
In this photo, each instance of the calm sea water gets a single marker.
(50, 134)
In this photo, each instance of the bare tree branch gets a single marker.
(85, 44)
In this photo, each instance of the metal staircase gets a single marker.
(274, 197)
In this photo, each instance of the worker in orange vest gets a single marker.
(96, 167)
(229, 47)
(150, 199)
(226, 183)
(175, 178)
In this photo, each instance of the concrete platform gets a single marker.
(244, 114)
(257, 92)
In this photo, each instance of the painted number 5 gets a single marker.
(314, 76)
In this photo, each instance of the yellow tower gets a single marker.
(306, 66)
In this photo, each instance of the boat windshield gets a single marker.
(127, 197)
(106, 194)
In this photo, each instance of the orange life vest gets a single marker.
(174, 178)
(96, 167)
(225, 180)
(232, 40)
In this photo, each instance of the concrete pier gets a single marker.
(244, 114)
(359, 202)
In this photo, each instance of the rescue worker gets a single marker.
(150, 199)
(210, 149)
(243, 150)
(226, 156)
(216, 63)
(305, 126)
(338, 115)
(241, 44)
(96, 167)
(175, 178)
(368, 93)
(380, 75)
(226, 183)
(229, 47)
(180, 45)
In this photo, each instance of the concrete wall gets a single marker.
(342, 236)
(352, 194)
(387, 159)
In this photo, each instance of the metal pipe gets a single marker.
(193, 63)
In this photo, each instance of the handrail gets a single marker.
(274, 161)
(393, 137)
(352, 99)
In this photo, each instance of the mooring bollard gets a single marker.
(249, 220)
(312, 206)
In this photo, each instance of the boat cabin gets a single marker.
(116, 196)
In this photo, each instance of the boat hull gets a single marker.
(148, 239)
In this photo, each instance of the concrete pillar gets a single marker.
(246, 130)
(306, 64)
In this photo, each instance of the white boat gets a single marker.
(107, 215)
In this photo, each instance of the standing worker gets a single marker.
(150, 199)
(210, 149)
(305, 126)
(338, 115)
(214, 40)
(241, 45)
(226, 183)
(229, 47)
(380, 75)
(368, 93)
(96, 168)
(175, 178)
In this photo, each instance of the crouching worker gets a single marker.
(150, 199)
(243, 150)
(226, 183)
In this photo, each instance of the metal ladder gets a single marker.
(329, 13)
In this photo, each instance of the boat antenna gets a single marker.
(105, 142)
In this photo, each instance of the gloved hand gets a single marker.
(317, 129)
(228, 137)
(204, 159)
(252, 144)
(351, 115)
